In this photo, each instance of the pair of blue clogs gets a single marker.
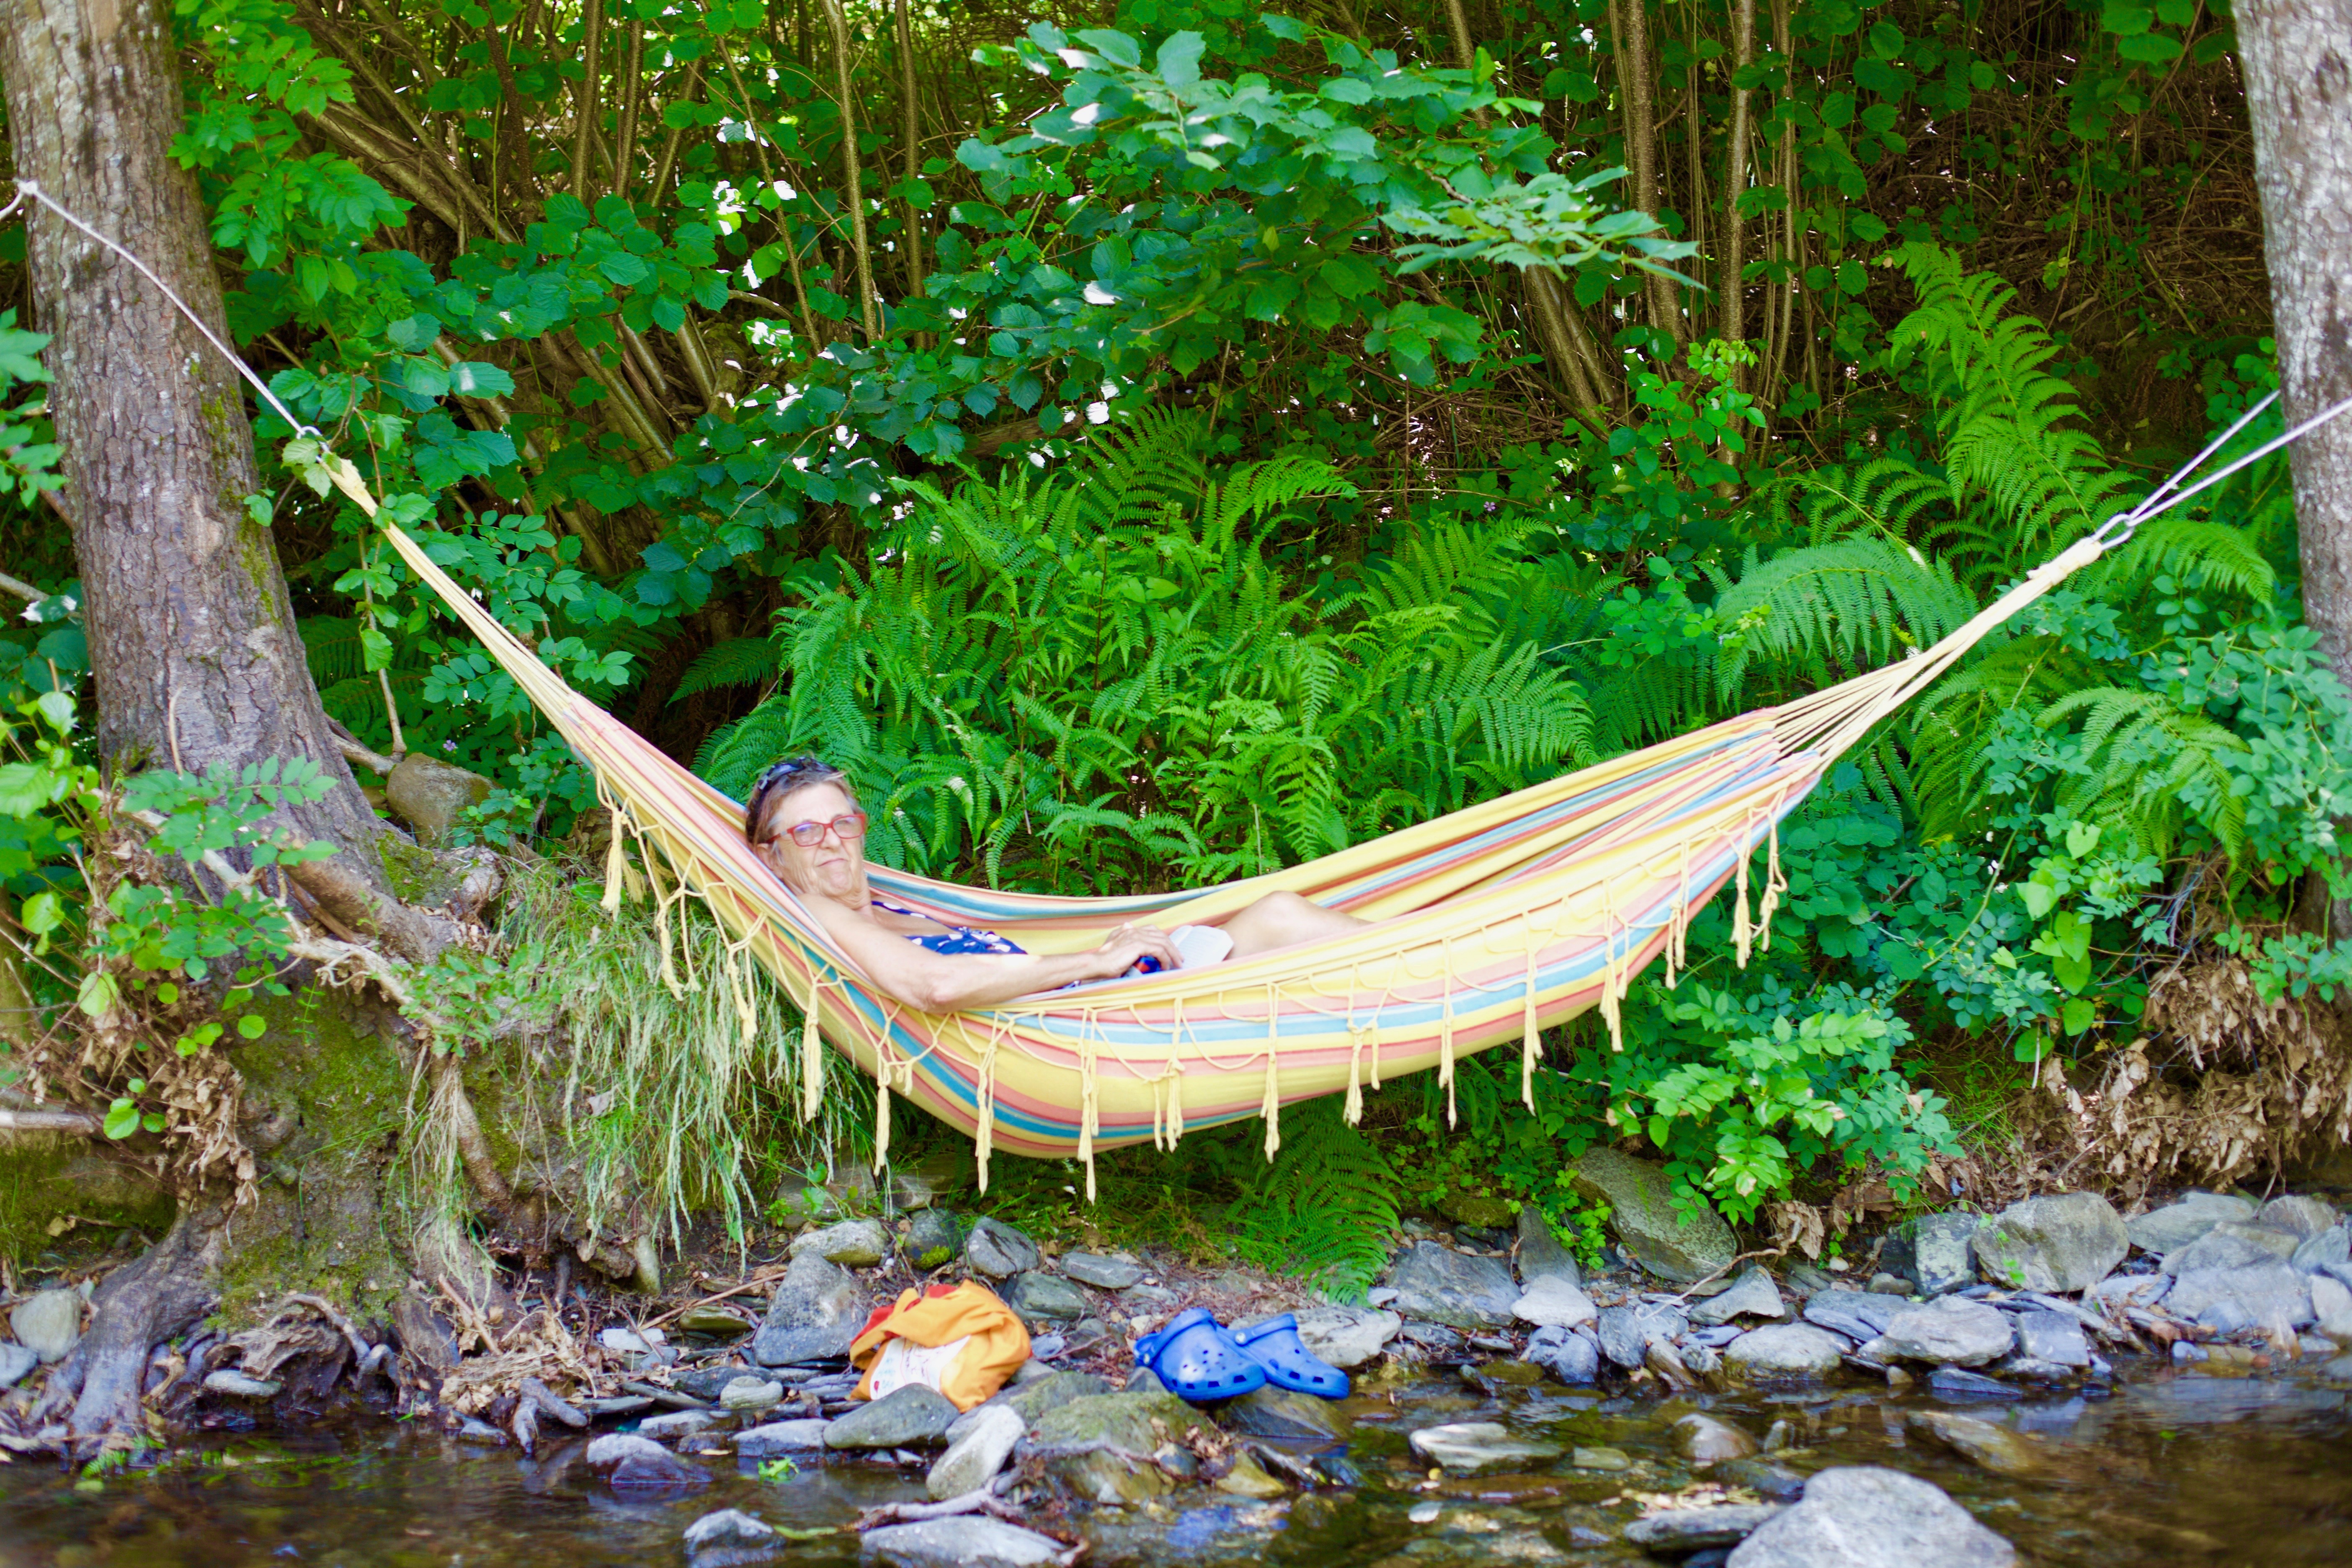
(1197, 1358)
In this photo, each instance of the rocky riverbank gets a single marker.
(1514, 1406)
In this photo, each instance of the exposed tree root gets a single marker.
(93, 1399)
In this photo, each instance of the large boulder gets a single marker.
(2306, 1216)
(2232, 1244)
(2175, 1225)
(1459, 1289)
(1653, 1230)
(816, 1311)
(1949, 1331)
(2272, 1296)
(430, 796)
(1032, 1399)
(2060, 1241)
(1106, 1441)
(1784, 1351)
(908, 1417)
(1864, 1517)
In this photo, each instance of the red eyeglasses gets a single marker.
(809, 834)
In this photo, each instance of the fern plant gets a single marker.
(1100, 676)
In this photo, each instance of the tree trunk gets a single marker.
(2297, 56)
(192, 638)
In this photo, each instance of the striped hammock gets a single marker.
(1489, 924)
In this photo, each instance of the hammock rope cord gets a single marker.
(1623, 854)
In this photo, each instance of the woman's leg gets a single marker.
(1284, 920)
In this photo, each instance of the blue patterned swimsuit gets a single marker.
(955, 939)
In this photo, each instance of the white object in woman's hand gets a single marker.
(1128, 943)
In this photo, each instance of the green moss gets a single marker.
(415, 874)
(44, 1179)
(333, 1096)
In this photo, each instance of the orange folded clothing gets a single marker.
(957, 1339)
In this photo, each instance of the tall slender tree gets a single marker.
(2298, 55)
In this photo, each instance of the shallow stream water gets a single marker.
(2171, 1467)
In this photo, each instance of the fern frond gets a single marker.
(739, 661)
(2147, 764)
(1850, 605)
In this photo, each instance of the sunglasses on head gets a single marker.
(809, 834)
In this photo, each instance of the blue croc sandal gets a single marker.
(1198, 1361)
(1275, 1346)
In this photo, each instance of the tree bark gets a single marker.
(2297, 56)
(192, 636)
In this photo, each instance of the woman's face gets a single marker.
(832, 866)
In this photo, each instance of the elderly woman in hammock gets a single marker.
(803, 821)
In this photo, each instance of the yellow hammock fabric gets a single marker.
(1491, 923)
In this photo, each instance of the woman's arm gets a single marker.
(947, 981)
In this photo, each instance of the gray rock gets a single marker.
(16, 1361)
(1762, 1477)
(1041, 1297)
(1784, 1351)
(1954, 1383)
(672, 1425)
(733, 1531)
(1554, 1303)
(1857, 1314)
(1704, 1440)
(1100, 1431)
(2063, 1242)
(47, 1323)
(1997, 1448)
(912, 1416)
(1103, 1273)
(2052, 1337)
(2331, 1305)
(473, 1430)
(430, 795)
(1541, 1255)
(714, 1322)
(1346, 1337)
(1950, 1329)
(1474, 1446)
(816, 1309)
(854, 1243)
(999, 1251)
(1570, 1357)
(2269, 1296)
(780, 1437)
(1933, 1251)
(2304, 1217)
(1652, 1230)
(964, 1542)
(2332, 1246)
(750, 1395)
(934, 1239)
(2233, 1245)
(2175, 1225)
(1627, 1333)
(237, 1385)
(1864, 1517)
(975, 1454)
(1280, 1414)
(627, 1460)
(1683, 1530)
(1439, 1285)
(1752, 1295)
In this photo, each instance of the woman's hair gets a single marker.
(788, 777)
